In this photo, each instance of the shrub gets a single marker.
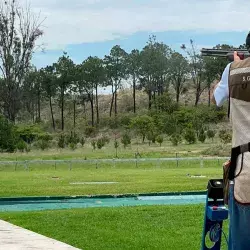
(21, 146)
(7, 136)
(126, 140)
(82, 141)
(159, 139)
(225, 136)
(72, 146)
(190, 135)
(202, 135)
(45, 136)
(100, 143)
(176, 139)
(151, 136)
(93, 144)
(90, 131)
(29, 133)
(106, 140)
(142, 124)
(211, 134)
(116, 144)
(42, 144)
(61, 141)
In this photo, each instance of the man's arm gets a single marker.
(220, 90)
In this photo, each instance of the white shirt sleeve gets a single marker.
(221, 92)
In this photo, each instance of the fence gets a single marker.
(136, 161)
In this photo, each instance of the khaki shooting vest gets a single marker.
(239, 91)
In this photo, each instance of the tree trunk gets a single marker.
(197, 96)
(62, 108)
(92, 110)
(178, 93)
(52, 115)
(209, 97)
(116, 102)
(149, 100)
(134, 86)
(84, 110)
(74, 114)
(39, 105)
(111, 105)
(97, 105)
(112, 101)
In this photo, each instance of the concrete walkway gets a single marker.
(16, 238)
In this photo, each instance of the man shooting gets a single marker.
(235, 86)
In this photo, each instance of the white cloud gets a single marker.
(81, 21)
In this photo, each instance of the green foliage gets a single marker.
(202, 135)
(72, 138)
(42, 144)
(126, 140)
(151, 136)
(7, 136)
(176, 139)
(21, 146)
(90, 131)
(45, 136)
(72, 146)
(93, 144)
(211, 134)
(159, 139)
(143, 125)
(105, 139)
(225, 136)
(164, 103)
(82, 141)
(61, 141)
(100, 143)
(190, 135)
(30, 133)
(116, 144)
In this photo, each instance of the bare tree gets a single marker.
(197, 71)
(19, 30)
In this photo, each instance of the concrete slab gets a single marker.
(16, 238)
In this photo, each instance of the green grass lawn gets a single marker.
(152, 151)
(145, 227)
(50, 180)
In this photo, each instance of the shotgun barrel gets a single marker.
(226, 53)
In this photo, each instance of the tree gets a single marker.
(177, 73)
(153, 70)
(196, 70)
(133, 66)
(94, 75)
(115, 65)
(214, 68)
(19, 31)
(34, 87)
(159, 139)
(7, 135)
(48, 81)
(64, 72)
(143, 125)
(91, 75)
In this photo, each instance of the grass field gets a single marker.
(146, 151)
(50, 180)
(146, 227)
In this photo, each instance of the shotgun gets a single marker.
(225, 53)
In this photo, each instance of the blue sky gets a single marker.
(91, 27)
